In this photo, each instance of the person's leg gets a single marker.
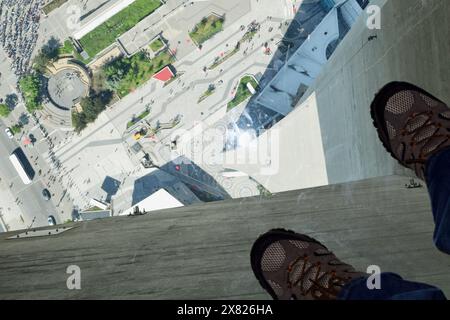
(393, 287)
(438, 181)
(294, 266)
(414, 127)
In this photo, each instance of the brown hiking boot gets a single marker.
(294, 266)
(412, 124)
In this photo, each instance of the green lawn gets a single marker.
(124, 75)
(66, 48)
(31, 88)
(242, 93)
(206, 29)
(138, 118)
(55, 4)
(206, 94)
(156, 45)
(106, 33)
(221, 60)
(248, 36)
(4, 110)
(17, 128)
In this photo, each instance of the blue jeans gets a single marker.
(393, 287)
(438, 182)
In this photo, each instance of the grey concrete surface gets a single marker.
(412, 45)
(202, 251)
(66, 88)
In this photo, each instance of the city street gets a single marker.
(28, 207)
(74, 167)
(21, 204)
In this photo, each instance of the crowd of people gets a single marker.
(19, 25)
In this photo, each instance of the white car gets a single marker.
(9, 133)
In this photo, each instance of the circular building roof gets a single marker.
(66, 88)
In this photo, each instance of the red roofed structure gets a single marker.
(165, 74)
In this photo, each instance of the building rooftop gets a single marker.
(159, 200)
(165, 74)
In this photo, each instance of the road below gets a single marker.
(20, 203)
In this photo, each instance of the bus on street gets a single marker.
(22, 166)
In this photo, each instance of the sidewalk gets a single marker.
(11, 217)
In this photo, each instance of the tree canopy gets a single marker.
(4, 110)
(92, 106)
(48, 53)
(30, 85)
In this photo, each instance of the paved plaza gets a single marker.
(83, 162)
(86, 156)
(175, 19)
(66, 88)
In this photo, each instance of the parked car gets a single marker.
(46, 194)
(51, 220)
(9, 133)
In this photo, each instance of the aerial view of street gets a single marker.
(111, 101)
(224, 150)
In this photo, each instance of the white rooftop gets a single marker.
(290, 155)
(159, 200)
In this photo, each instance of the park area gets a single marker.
(242, 92)
(124, 75)
(156, 45)
(106, 33)
(138, 118)
(206, 29)
(67, 48)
